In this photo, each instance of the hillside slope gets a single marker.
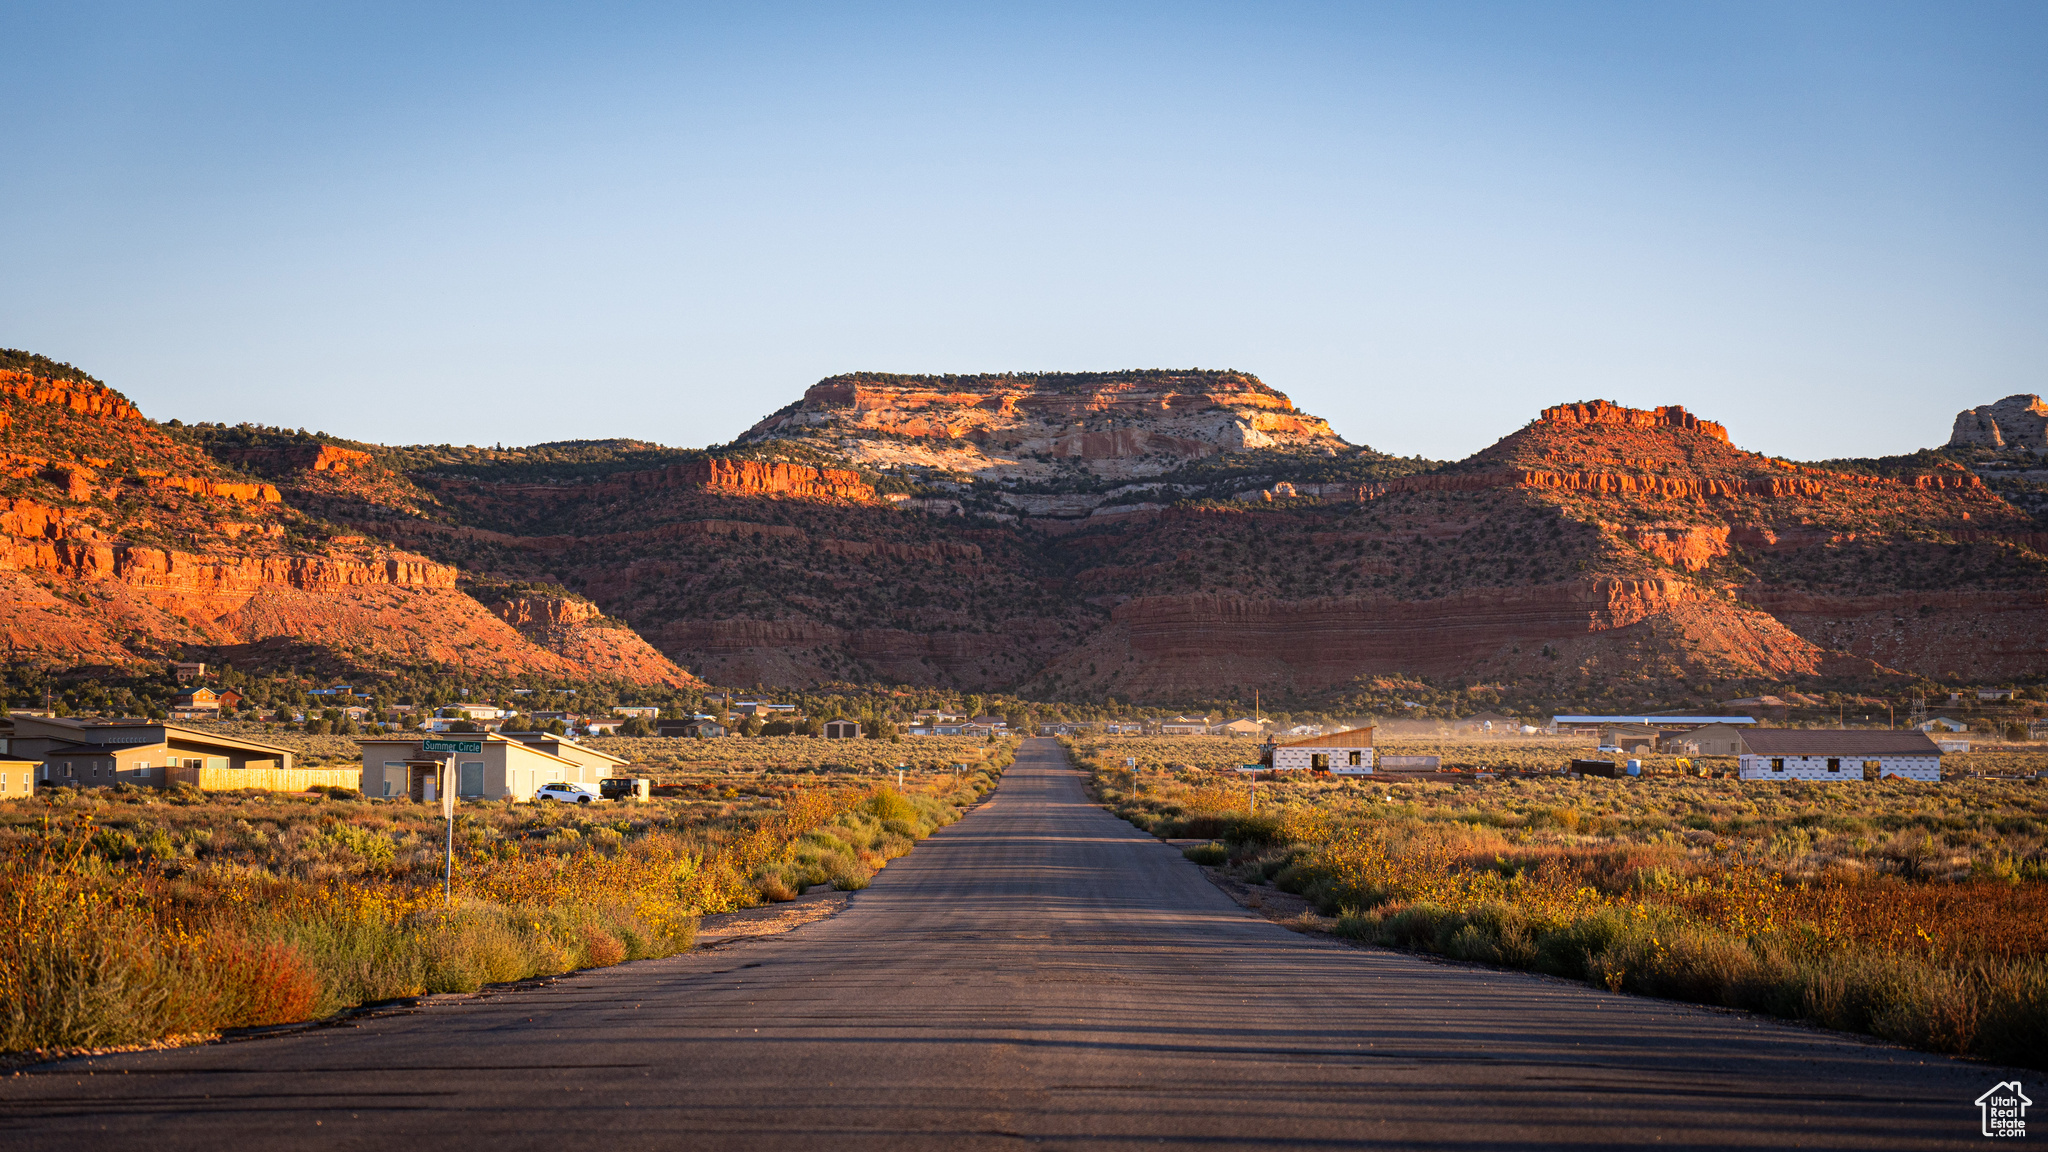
(1149, 535)
(120, 543)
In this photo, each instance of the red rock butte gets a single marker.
(1591, 412)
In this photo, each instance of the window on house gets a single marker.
(1319, 760)
(1357, 759)
(1777, 763)
(1834, 765)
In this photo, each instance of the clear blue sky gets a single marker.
(1825, 225)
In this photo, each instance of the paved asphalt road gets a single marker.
(1039, 972)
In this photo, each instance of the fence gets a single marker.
(266, 779)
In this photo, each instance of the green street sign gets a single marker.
(452, 746)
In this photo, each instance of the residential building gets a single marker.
(993, 723)
(1346, 753)
(98, 753)
(565, 748)
(1705, 740)
(1242, 726)
(1838, 754)
(188, 671)
(842, 730)
(460, 724)
(698, 727)
(1184, 726)
(506, 769)
(1630, 739)
(17, 778)
(198, 704)
(1997, 693)
(936, 716)
(603, 725)
(1941, 724)
(644, 711)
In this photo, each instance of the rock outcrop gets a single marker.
(1022, 426)
(2014, 422)
(271, 461)
(1594, 412)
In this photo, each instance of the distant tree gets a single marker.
(636, 726)
(751, 726)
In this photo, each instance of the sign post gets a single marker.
(1131, 762)
(446, 782)
(1251, 772)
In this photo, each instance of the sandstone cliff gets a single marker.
(1085, 542)
(120, 543)
(1017, 426)
(2014, 422)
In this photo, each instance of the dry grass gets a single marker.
(129, 914)
(1916, 912)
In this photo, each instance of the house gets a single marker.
(1184, 726)
(1941, 724)
(696, 728)
(562, 747)
(17, 778)
(1346, 753)
(644, 711)
(1242, 726)
(458, 724)
(198, 704)
(89, 753)
(842, 730)
(604, 725)
(185, 672)
(1997, 693)
(1630, 739)
(1706, 740)
(1300, 730)
(936, 716)
(1952, 745)
(230, 700)
(1486, 722)
(1838, 754)
(506, 769)
(993, 723)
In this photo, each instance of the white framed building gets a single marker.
(1838, 754)
(397, 767)
(1347, 753)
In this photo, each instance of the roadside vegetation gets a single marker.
(1913, 912)
(130, 915)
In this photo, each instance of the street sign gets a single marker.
(452, 746)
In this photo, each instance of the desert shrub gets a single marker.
(1211, 853)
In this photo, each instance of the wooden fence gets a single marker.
(266, 779)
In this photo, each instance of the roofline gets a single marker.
(500, 739)
(235, 741)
